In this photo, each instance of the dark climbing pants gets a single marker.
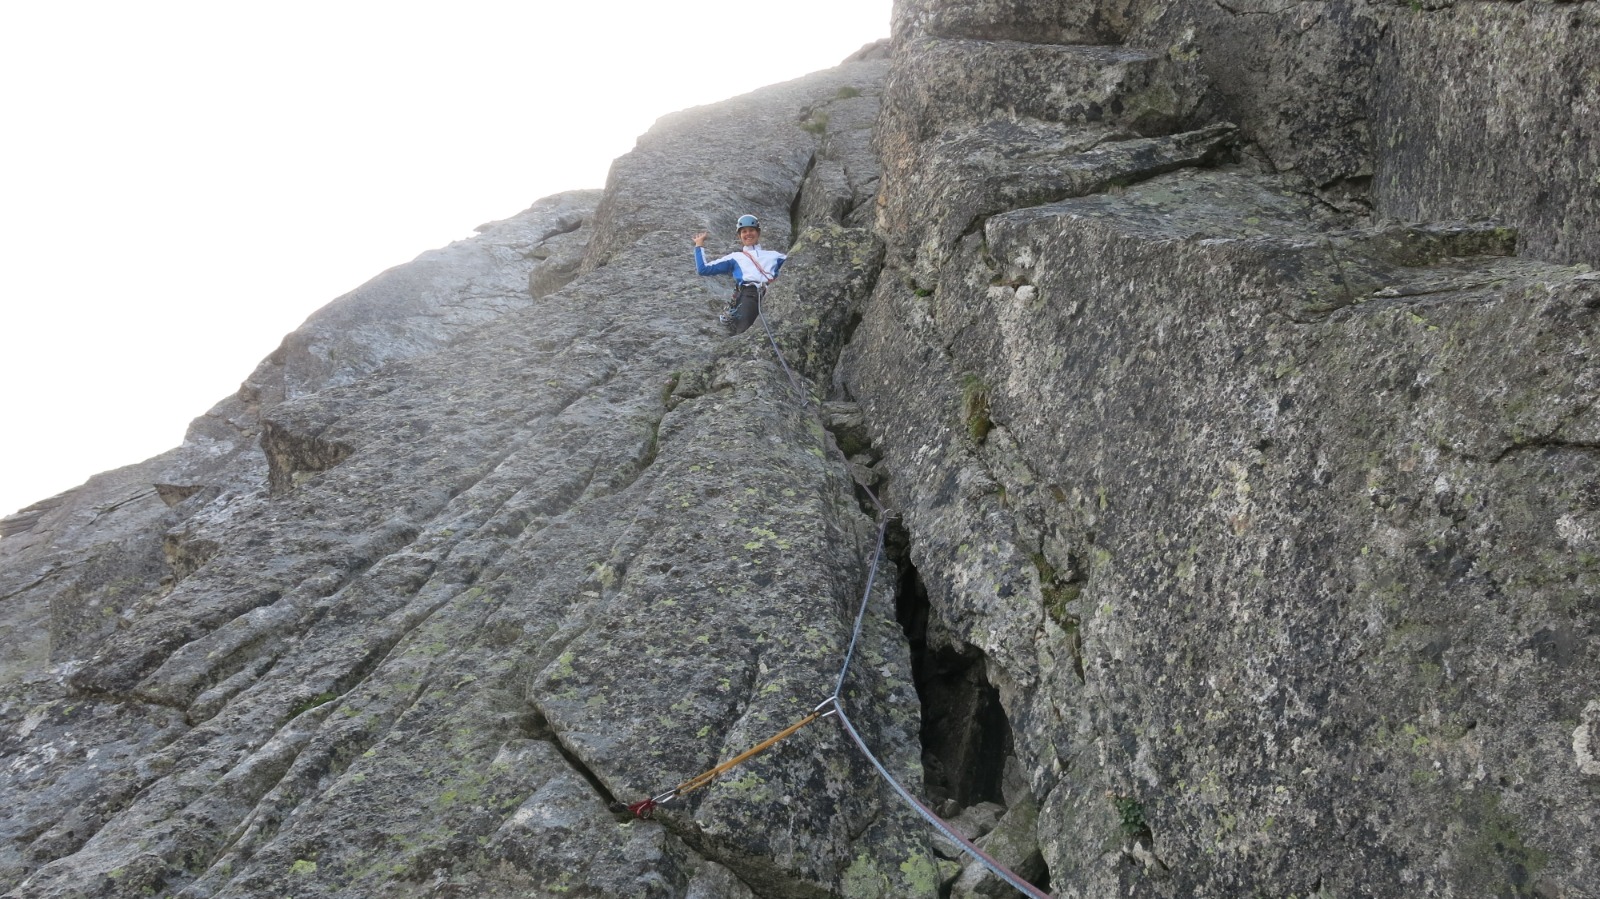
(747, 305)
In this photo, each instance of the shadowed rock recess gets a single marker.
(1229, 369)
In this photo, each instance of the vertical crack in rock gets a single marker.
(796, 222)
(966, 737)
(972, 776)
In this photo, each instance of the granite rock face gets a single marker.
(76, 563)
(1279, 594)
(1229, 373)
(1420, 110)
(491, 544)
(1493, 110)
(1262, 510)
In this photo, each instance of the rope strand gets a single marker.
(861, 614)
(794, 382)
(939, 824)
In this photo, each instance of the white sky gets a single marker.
(182, 183)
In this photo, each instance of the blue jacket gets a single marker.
(739, 265)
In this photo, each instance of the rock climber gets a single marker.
(752, 267)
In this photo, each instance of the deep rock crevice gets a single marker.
(966, 737)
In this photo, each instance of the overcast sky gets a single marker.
(182, 183)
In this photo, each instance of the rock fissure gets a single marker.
(584, 771)
(1538, 444)
(1245, 12)
(119, 503)
(42, 579)
(645, 459)
(795, 213)
(965, 736)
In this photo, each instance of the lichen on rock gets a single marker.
(1227, 375)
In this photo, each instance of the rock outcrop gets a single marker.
(465, 563)
(1263, 510)
(1228, 370)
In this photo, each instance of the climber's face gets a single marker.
(749, 236)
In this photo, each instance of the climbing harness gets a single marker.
(832, 707)
(748, 292)
(751, 292)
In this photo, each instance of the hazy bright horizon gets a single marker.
(184, 182)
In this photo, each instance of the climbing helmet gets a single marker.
(749, 221)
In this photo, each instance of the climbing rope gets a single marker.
(831, 706)
(939, 824)
(794, 382)
(805, 400)
(861, 614)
